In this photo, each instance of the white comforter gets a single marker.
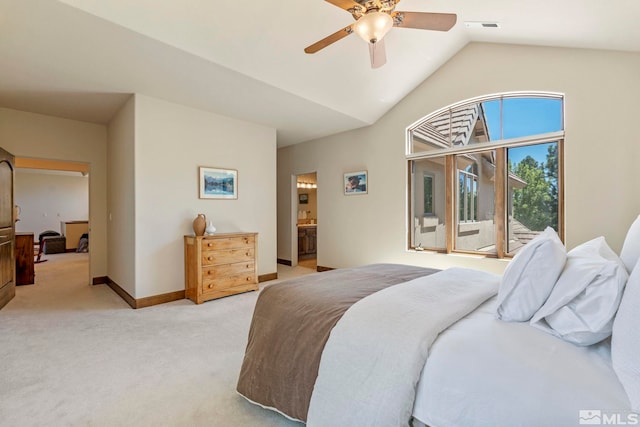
(483, 372)
(372, 361)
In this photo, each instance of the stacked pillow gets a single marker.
(530, 276)
(594, 297)
(625, 340)
(584, 301)
(631, 248)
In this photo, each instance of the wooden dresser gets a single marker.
(220, 265)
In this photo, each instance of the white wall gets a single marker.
(47, 197)
(121, 198)
(602, 90)
(45, 137)
(171, 141)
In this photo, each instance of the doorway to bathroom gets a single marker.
(307, 220)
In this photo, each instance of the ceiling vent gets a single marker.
(478, 24)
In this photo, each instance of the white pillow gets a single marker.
(530, 276)
(584, 301)
(631, 248)
(625, 340)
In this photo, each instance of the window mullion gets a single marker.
(450, 182)
(560, 184)
(500, 214)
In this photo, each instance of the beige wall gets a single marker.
(45, 137)
(121, 198)
(601, 88)
(171, 141)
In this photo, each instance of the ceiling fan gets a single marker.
(374, 18)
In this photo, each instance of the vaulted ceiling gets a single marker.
(82, 59)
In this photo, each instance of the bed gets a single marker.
(330, 349)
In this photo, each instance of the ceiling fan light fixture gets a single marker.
(373, 26)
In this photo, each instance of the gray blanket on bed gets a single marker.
(291, 324)
(372, 361)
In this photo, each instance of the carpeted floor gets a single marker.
(72, 354)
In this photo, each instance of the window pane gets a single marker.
(475, 229)
(467, 126)
(492, 118)
(532, 192)
(530, 116)
(428, 203)
(432, 135)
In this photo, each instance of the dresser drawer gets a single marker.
(228, 270)
(226, 257)
(227, 243)
(221, 283)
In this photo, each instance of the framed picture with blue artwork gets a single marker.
(355, 183)
(216, 183)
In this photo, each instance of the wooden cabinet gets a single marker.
(307, 237)
(7, 266)
(7, 230)
(220, 265)
(25, 272)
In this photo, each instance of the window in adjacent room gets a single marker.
(485, 174)
(428, 194)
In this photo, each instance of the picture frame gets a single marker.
(217, 183)
(355, 183)
(303, 198)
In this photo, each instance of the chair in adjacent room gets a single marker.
(50, 242)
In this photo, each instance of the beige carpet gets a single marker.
(72, 354)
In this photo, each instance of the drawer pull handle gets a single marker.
(210, 286)
(210, 258)
(247, 254)
(209, 244)
(209, 272)
(248, 279)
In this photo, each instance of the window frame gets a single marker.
(449, 154)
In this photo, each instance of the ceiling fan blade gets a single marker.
(424, 20)
(338, 35)
(344, 4)
(378, 54)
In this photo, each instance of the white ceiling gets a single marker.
(82, 59)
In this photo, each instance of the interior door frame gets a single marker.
(67, 166)
(294, 220)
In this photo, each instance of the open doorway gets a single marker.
(52, 203)
(307, 220)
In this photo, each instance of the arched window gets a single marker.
(486, 173)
